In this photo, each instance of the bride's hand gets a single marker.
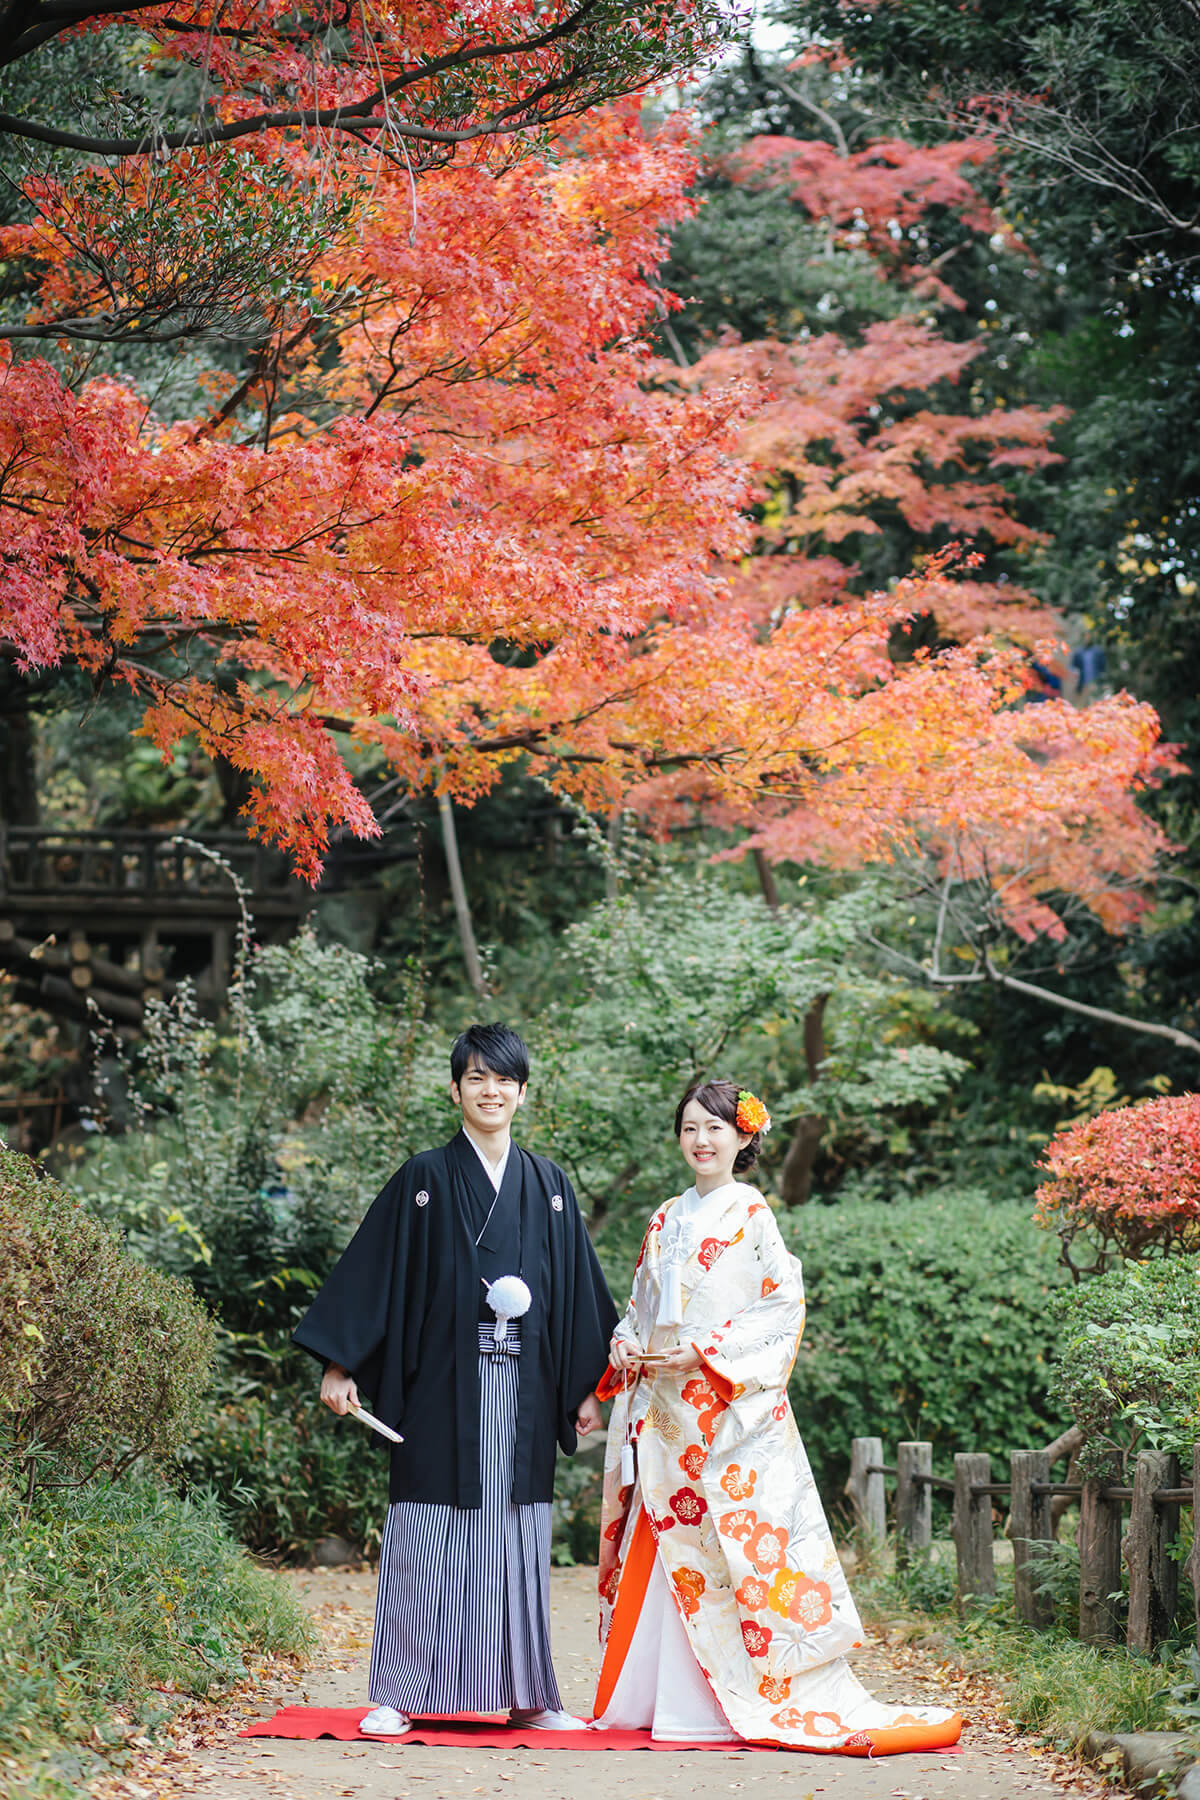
(682, 1361)
(624, 1355)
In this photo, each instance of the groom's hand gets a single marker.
(338, 1390)
(588, 1416)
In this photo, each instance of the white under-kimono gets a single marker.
(724, 1609)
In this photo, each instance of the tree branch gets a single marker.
(1179, 1038)
(827, 119)
(990, 973)
(1081, 153)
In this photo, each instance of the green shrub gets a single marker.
(928, 1585)
(926, 1319)
(287, 1471)
(258, 1148)
(1130, 1366)
(110, 1593)
(102, 1359)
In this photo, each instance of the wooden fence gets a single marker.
(1145, 1544)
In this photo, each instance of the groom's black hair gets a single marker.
(496, 1047)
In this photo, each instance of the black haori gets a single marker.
(401, 1312)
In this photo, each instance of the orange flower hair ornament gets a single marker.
(752, 1115)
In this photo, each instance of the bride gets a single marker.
(724, 1611)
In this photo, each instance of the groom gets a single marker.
(462, 1614)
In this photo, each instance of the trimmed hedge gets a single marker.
(102, 1359)
(927, 1318)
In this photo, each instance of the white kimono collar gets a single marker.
(691, 1204)
(679, 1239)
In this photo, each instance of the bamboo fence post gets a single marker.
(1099, 1539)
(1153, 1574)
(1029, 1524)
(971, 1525)
(866, 1492)
(914, 1503)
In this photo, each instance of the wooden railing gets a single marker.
(1146, 1544)
(41, 860)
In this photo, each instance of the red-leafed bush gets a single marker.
(1126, 1183)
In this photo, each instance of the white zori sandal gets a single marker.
(384, 1722)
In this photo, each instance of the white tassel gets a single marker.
(509, 1298)
(670, 1308)
(627, 1465)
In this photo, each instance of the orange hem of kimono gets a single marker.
(635, 1579)
(890, 1740)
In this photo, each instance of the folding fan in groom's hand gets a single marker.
(368, 1418)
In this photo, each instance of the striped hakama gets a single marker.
(462, 1616)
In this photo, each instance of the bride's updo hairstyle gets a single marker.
(721, 1099)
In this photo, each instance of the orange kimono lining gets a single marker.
(635, 1578)
(610, 1384)
(890, 1740)
(613, 1382)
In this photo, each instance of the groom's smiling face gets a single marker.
(488, 1100)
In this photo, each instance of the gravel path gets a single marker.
(210, 1760)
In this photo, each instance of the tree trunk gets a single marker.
(18, 766)
(766, 880)
(795, 1180)
(462, 910)
(1069, 1443)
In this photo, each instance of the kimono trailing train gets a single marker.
(723, 1503)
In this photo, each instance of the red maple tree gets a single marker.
(874, 196)
(456, 509)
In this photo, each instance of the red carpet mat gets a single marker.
(460, 1734)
